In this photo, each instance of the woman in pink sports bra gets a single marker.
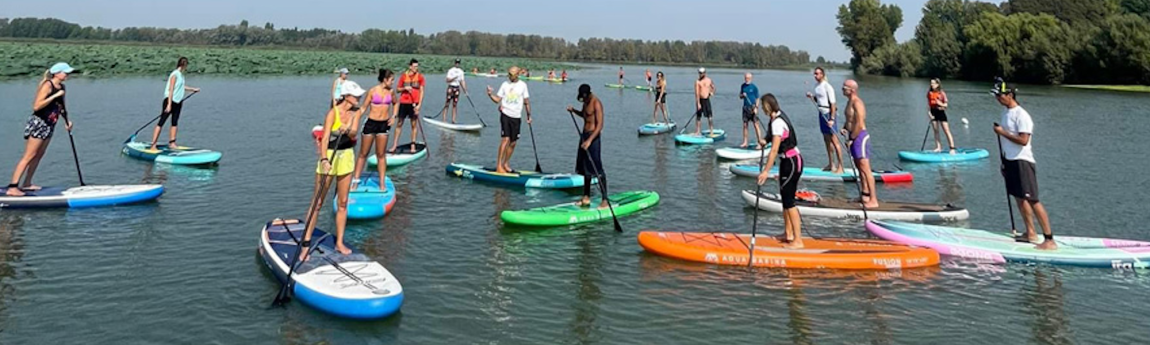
(380, 118)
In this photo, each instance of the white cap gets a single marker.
(342, 70)
(702, 70)
(351, 88)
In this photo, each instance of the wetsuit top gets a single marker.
(790, 142)
(54, 109)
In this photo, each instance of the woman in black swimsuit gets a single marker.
(47, 108)
(660, 99)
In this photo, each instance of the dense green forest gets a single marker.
(1034, 41)
(456, 43)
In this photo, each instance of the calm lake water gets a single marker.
(185, 270)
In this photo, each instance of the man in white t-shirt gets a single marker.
(512, 98)
(824, 98)
(1018, 168)
(455, 83)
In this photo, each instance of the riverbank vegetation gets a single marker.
(450, 43)
(1032, 41)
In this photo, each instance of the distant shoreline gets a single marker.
(1123, 88)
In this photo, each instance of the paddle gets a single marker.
(858, 178)
(137, 132)
(755, 220)
(422, 133)
(474, 109)
(316, 202)
(75, 157)
(603, 176)
(1002, 157)
(925, 135)
(533, 148)
(692, 118)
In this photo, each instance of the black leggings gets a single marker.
(175, 113)
(587, 185)
(790, 171)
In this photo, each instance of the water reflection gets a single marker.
(11, 252)
(1045, 302)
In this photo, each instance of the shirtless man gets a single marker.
(648, 77)
(620, 75)
(587, 162)
(704, 89)
(859, 142)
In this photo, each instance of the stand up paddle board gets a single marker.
(834, 253)
(85, 196)
(570, 213)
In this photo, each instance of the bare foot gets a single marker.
(871, 204)
(604, 204)
(1047, 245)
(743, 145)
(339, 247)
(937, 149)
(31, 188)
(796, 244)
(14, 192)
(784, 238)
(584, 202)
(839, 171)
(952, 152)
(828, 167)
(698, 134)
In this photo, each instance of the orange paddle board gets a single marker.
(836, 253)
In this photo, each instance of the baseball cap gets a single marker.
(351, 88)
(702, 70)
(457, 61)
(1002, 87)
(342, 70)
(60, 67)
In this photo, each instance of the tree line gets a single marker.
(471, 43)
(1034, 41)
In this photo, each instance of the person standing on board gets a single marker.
(648, 77)
(411, 85)
(337, 83)
(859, 143)
(455, 82)
(660, 99)
(1018, 166)
(173, 103)
(492, 72)
(824, 98)
(336, 162)
(588, 162)
(620, 75)
(513, 99)
(785, 148)
(937, 104)
(750, 95)
(563, 76)
(47, 108)
(704, 89)
(380, 116)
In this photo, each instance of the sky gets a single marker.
(799, 24)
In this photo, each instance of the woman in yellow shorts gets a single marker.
(336, 161)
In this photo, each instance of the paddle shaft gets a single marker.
(603, 175)
(468, 94)
(534, 149)
(925, 135)
(755, 220)
(692, 118)
(423, 134)
(75, 157)
(858, 178)
(1009, 206)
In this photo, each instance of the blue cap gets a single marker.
(60, 67)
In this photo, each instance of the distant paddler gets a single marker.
(336, 84)
(173, 103)
(704, 89)
(936, 109)
(749, 93)
(47, 108)
(455, 83)
(411, 94)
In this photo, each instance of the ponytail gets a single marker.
(47, 75)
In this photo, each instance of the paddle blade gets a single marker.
(537, 168)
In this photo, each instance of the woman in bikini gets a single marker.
(379, 121)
